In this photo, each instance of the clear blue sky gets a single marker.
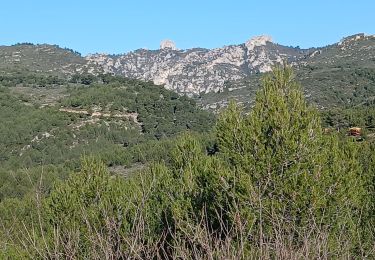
(112, 26)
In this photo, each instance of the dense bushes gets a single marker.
(161, 113)
(273, 187)
(361, 116)
(32, 135)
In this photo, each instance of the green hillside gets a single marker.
(117, 119)
(262, 184)
(97, 166)
(41, 58)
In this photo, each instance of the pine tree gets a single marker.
(292, 176)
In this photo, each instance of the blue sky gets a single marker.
(112, 26)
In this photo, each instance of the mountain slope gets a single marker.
(335, 75)
(341, 74)
(191, 71)
(196, 71)
(112, 118)
(41, 58)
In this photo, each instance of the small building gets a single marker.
(354, 131)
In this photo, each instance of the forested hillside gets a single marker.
(48, 123)
(116, 169)
(98, 166)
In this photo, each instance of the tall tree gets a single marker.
(289, 172)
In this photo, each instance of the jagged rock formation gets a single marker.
(168, 44)
(197, 70)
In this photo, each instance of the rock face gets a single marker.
(258, 41)
(197, 70)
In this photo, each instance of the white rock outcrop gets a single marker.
(198, 70)
(167, 44)
(258, 41)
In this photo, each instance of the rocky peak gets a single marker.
(258, 41)
(355, 38)
(167, 44)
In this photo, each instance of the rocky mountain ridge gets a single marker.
(198, 70)
(337, 75)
